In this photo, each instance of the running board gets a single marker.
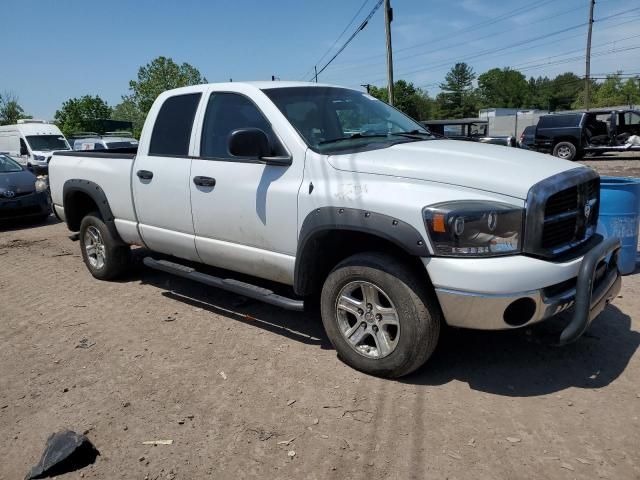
(234, 286)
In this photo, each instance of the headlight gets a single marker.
(41, 184)
(39, 157)
(471, 228)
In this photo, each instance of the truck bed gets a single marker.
(108, 169)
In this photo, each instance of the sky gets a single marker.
(56, 50)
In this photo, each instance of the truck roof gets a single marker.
(258, 85)
(279, 84)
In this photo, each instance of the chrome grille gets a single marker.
(565, 220)
(562, 212)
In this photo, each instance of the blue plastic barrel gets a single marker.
(620, 217)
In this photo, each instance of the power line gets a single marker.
(353, 19)
(500, 49)
(360, 64)
(525, 64)
(484, 53)
(629, 19)
(581, 57)
(353, 35)
(477, 26)
(520, 43)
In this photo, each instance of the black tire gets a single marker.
(116, 257)
(417, 310)
(565, 151)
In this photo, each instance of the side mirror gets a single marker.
(23, 150)
(254, 143)
(249, 142)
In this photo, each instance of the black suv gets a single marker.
(572, 135)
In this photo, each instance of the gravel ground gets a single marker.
(240, 386)
(616, 164)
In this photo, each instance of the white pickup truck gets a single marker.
(329, 191)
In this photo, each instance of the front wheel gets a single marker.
(379, 315)
(103, 255)
(565, 151)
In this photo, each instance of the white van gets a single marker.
(32, 142)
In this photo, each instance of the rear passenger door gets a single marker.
(161, 178)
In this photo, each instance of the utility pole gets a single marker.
(388, 18)
(367, 86)
(587, 80)
(315, 67)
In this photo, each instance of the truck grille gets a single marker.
(565, 221)
(562, 212)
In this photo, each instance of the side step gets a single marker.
(235, 286)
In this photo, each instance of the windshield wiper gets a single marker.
(351, 137)
(412, 134)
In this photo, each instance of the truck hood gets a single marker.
(493, 168)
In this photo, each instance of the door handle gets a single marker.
(204, 181)
(144, 174)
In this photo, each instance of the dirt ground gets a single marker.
(239, 386)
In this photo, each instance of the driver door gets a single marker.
(244, 211)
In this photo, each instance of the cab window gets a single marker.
(172, 129)
(225, 113)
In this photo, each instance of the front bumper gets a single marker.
(585, 285)
(33, 204)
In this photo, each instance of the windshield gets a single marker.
(334, 119)
(8, 165)
(47, 142)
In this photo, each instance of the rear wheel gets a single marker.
(103, 255)
(379, 315)
(565, 150)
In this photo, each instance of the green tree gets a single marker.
(128, 111)
(77, 114)
(503, 88)
(10, 109)
(631, 91)
(159, 75)
(409, 99)
(538, 93)
(458, 99)
(614, 91)
(564, 90)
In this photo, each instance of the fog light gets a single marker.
(520, 312)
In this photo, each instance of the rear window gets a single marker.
(172, 130)
(559, 121)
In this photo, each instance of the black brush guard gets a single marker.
(598, 283)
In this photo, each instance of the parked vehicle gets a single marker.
(22, 194)
(527, 137)
(32, 142)
(572, 135)
(396, 231)
(109, 141)
(471, 129)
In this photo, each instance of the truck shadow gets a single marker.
(521, 363)
(302, 327)
(516, 363)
